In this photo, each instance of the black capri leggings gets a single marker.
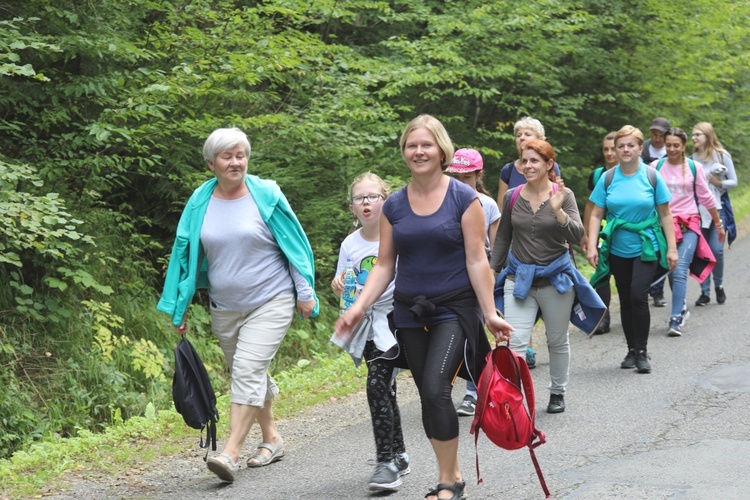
(434, 357)
(633, 278)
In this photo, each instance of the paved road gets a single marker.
(681, 432)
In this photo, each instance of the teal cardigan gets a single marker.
(183, 276)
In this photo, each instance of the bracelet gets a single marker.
(720, 225)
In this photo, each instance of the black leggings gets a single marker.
(605, 293)
(633, 278)
(384, 413)
(434, 357)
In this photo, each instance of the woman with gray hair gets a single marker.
(239, 238)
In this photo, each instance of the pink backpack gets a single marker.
(501, 412)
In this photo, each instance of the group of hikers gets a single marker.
(439, 263)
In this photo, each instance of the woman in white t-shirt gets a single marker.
(468, 167)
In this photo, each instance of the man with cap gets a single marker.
(654, 149)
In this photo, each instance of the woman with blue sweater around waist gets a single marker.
(239, 238)
(533, 237)
(638, 239)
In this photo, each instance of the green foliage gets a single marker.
(40, 238)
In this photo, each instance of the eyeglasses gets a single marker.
(372, 198)
(697, 134)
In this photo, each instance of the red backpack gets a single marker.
(501, 412)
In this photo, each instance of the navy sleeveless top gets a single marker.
(430, 250)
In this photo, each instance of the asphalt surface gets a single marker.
(681, 432)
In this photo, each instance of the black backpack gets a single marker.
(193, 395)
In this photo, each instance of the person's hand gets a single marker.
(672, 258)
(499, 328)
(556, 200)
(338, 285)
(721, 233)
(584, 244)
(305, 308)
(182, 329)
(592, 255)
(346, 323)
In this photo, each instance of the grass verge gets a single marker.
(42, 469)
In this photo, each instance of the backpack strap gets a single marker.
(538, 435)
(597, 175)
(608, 178)
(513, 197)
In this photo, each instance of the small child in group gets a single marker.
(377, 344)
(467, 166)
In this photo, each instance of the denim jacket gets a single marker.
(588, 309)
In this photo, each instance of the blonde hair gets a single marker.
(713, 145)
(369, 176)
(629, 130)
(532, 124)
(438, 131)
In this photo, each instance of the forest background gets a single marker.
(105, 104)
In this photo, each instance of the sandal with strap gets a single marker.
(458, 490)
(223, 466)
(258, 459)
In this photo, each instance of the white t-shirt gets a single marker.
(364, 255)
(491, 214)
(657, 153)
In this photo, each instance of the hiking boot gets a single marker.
(530, 358)
(675, 322)
(556, 403)
(659, 300)
(467, 407)
(703, 300)
(721, 297)
(385, 478)
(629, 361)
(401, 461)
(604, 325)
(641, 362)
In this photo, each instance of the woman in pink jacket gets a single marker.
(688, 190)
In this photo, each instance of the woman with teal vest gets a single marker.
(638, 240)
(239, 238)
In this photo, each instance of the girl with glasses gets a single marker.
(372, 338)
